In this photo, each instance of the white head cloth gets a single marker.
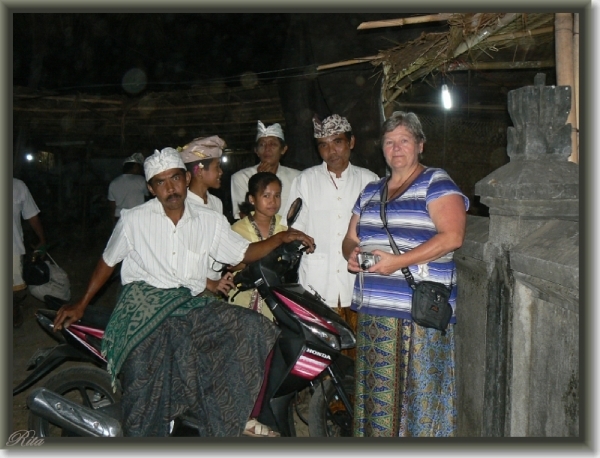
(165, 159)
(331, 125)
(273, 130)
(136, 157)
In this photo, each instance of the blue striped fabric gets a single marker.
(410, 225)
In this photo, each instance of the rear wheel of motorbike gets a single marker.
(89, 386)
(327, 415)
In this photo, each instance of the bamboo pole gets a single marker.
(564, 69)
(404, 21)
(460, 107)
(358, 60)
(576, 75)
(501, 65)
(526, 33)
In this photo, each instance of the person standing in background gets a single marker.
(129, 189)
(202, 158)
(328, 193)
(270, 147)
(23, 207)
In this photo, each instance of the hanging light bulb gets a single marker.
(446, 97)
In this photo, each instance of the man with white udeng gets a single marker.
(328, 193)
(178, 352)
(270, 147)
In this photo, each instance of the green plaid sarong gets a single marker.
(140, 309)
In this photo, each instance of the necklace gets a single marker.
(255, 299)
(257, 230)
(402, 186)
(332, 180)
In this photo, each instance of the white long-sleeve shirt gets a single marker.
(327, 204)
(165, 255)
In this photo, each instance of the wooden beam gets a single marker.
(359, 60)
(67, 99)
(500, 65)
(404, 21)
(526, 33)
(458, 107)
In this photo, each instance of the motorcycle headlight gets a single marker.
(327, 337)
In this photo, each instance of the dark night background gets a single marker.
(130, 55)
(92, 52)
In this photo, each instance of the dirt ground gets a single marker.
(76, 250)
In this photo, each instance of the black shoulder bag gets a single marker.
(430, 305)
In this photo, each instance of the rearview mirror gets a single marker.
(294, 211)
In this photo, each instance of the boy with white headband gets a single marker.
(328, 193)
(270, 147)
(176, 351)
(202, 158)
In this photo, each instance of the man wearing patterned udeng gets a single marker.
(328, 193)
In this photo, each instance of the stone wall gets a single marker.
(518, 272)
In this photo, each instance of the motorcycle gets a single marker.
(306, 355)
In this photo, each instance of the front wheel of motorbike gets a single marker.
(327, 415)
(89, 386)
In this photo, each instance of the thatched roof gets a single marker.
(473, 41)
(504, 49)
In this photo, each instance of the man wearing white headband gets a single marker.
(175, 350)
(270, 147)
(129, 189)
(328, 193)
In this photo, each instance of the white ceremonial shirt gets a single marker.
(23, 206)
(239, 186)
(163, 255)
(213, 203)
(127, 191)
(327, 204)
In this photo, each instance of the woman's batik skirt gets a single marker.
(405, 382)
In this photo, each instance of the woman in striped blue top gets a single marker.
(404, 372)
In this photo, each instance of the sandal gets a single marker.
(256, 429)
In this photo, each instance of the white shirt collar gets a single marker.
(343, 175)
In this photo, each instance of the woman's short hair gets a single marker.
(408, 120)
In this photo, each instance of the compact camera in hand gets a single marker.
(366, 260)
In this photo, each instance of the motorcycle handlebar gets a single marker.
(244, 279)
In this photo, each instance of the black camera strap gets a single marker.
(383, 214)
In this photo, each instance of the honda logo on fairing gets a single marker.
(318, 353)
